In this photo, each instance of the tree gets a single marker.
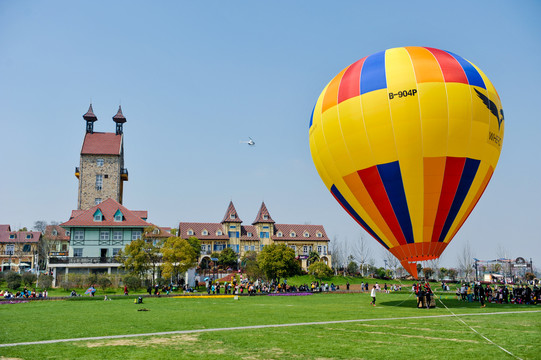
(320, 270)
(278, 261)
(313, 257)
(135, 257)
(103, 281)
(443, 272)
(13, 280)
(40, 225)
(336, 252)
(195, 244)
(362, 252)
(132, 282)
(352, 268)
(452, 273)
(465, 261)
(28, 278)
(228, 257)
(45, 281)
(251, 266)
(178, 257)
(428, 272)
(391, 261)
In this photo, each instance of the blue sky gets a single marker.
(195, 78)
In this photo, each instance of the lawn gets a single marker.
(384, 337)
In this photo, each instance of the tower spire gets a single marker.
(119, 119)
(90, 118)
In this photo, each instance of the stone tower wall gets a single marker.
(111, 178)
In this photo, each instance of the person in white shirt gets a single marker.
(373, 294)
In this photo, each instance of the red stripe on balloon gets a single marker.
(350, 86)
(451, 179)
(374, 185)
(450, 67)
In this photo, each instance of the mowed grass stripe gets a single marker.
(251, 327)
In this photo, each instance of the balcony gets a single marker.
(124, 174)
(77, 172)
(83, 260)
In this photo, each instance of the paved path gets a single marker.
(258, 327)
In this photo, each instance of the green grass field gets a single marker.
(383, 337)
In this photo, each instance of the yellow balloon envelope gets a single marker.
(406, 140)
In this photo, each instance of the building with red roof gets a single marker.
(18, 249)
(101, 170)
(230, 233)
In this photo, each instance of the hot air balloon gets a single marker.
(406, 140)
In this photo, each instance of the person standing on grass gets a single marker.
(125, 290)
(482, 295)
(373, 295)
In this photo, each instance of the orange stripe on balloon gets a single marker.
(356, 186)
(433, 170)
(480, 192)
(331, 95)
(425, 65)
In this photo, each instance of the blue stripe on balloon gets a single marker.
(466, 179)
(338, 196)
(474, 78)
(312, 117)
(394, 187)
(373, 73)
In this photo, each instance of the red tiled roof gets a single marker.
(60, 232)
(231, 211)
(108, 208)
(164, 232)
(197, 228)
(20, 236)
(75, 213)
(260, 215)
(102, 144)
(143, 214)
(249, 229)
(299, 230)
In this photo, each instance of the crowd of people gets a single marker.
(25, 294)
(501, 294)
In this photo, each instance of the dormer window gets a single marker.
(306, 234)
(204, 232)
(219, 232)
(118, 216)
(156, 231)
(55, 233)
(232, 216)
(279, 234)
(265, 217)
(12, 236)
(319, 234)
(29, 236)
(67, 233)
(98, 216)
(249, 234)
(292, 234)
(190, 232)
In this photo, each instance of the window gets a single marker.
(219, 232)
(319, 234)
(232, 216)
(104, 235)
(67, 233)
(306, 234)
(98, 216)
(116, 251)
(294, 248)
(79, 235)
(292, 234)
(12, 236)
(204, 233)
(118, 216)
(10, 249)
(264, 235)
(77, 252)
(99, 162)
(99, 182)
(55, 233)
(97, 201)
(29, 236)
(319, 249)
(117, 235)
(252, 248)
(64, 247)
(203, 247)
(234, 234)
(26, 248)
(249, 234)
(233, 227)
(305, 250)
(324, 250)
(265, 217)
(136, 234)
(280, 234)
(265, 228)
(246, 248)
(190, 232)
